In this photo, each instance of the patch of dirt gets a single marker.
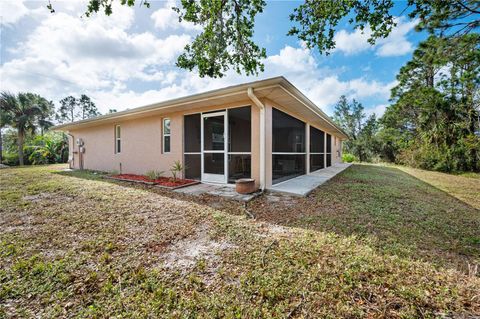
(184, 253)
(46, 196)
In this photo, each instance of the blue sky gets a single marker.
(128, 59)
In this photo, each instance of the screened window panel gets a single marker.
(166, 126)
(192, 134)
(317, 161)
(286, 167)
(239, 166)
(214, 163)
(214, 129)
(288, 133)
(240, 129)
(193, 166)
(166, 146)
(329, 160)
(317, 141)
(118, 143)
(329, 143)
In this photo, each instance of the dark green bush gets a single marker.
(10, 159)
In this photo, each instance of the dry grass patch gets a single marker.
(96, 249)
(464, 187)
(394, 211)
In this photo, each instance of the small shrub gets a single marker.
(176, 168)
(348, 158)
(153, 174)
(10, 159)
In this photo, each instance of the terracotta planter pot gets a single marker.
(245, 185)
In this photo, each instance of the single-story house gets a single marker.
(266, 130)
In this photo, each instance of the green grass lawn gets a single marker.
(413, 213)
(75, 245)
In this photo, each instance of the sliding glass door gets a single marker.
(217, 145)
(214, 158)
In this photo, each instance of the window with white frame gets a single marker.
(118, 141)
(166, 135)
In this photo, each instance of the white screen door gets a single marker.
(214, 155)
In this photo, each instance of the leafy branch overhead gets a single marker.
(227, 26)
(226, 39)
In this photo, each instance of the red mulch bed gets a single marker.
(162, 181)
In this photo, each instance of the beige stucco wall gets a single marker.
(141, 141)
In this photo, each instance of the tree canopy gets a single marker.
(24, 115)
(74, 109)
(25, 112)
(434, 121)
(351, 117)
(226, 38)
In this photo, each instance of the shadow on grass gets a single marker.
(388, 208)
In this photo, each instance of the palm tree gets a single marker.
(5, 120)
(48, 109)
(25, 111)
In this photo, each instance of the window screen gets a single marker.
(239, 166)
(166, 135)
(286, 167)
(118, 141)
(239, 129)
(329, 143)
(191, 133)
(288, 133)
(317, 140)
(288, 146)
(193, 166)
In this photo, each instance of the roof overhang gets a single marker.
(277, 89)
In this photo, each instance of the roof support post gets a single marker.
(261, 107)
(307, 148)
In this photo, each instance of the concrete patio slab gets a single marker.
(216, 190)
(305, 184)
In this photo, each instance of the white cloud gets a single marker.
(321, 85)
(120, 66)
(363, 88)
(396, 44)
(352, 43)
(12, 11)
(66, 54)
(167, 19)
(378, 110)
(293, 59)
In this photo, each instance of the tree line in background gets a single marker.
(434, 119)
(432, 123)
(27, 118)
